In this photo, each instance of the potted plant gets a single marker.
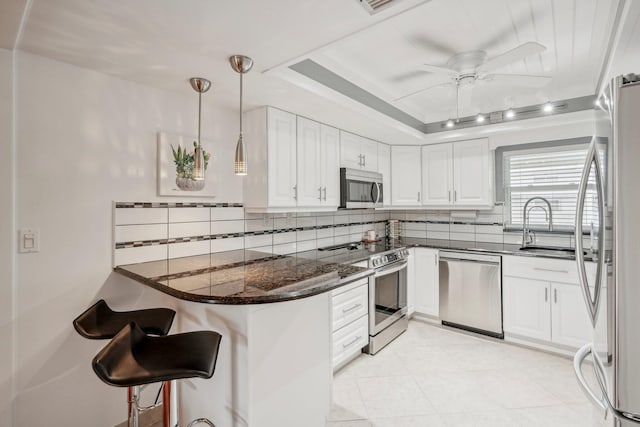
(185, 166)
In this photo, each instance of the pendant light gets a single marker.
(241, 64)
(200, 85)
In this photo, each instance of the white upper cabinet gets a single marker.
(457, 174)
(384, 167)
(437, 174)
(472, 184)
(357, 152)
(309, 164)
(293, 162)
(405, 175)
(270, 136)
(330, 166)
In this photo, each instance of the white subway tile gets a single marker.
(462, 228)
(328, 241)
(230, 244)
(512, 238)
(440, 235)
(125, 216)
(396, 215)
(179, 250)
(285, 249)
(189, 214)
(258, 240)
(368, 217)
(266, 249)
(471, 237)
(416, 216)
(306, 245)
(227, 227)
(324, 220)
(491, 238)
(189, 229)
(305, 235)
(126, 256)
(416, 233)
(324, 233)
(283, 223)
(355, 229)
(355, 218)
(288, 237)
(438, 216)
(340, 231)
(309, 221)
(258, 224)
(416, 226)
(220, 214)
(437, 227)
(489, 229)
(138, 233)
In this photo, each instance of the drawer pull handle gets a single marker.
(352, 342)
(346, 310)
(551, 270)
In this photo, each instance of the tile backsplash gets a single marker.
(157, 231)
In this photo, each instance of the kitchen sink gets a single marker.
(551, 250)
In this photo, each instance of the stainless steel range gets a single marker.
(387, 298)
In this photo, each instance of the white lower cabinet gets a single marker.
(427, 286)
(411, 281)
(538, 307)
(350, 318)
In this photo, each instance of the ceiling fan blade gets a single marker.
(519, 79)
(422, 90)
(439, 70)
(511, 56)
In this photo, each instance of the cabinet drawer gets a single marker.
(546, 269)
(349, 306)
(349, 287)
(350, 339)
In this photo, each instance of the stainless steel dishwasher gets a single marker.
(471, 292)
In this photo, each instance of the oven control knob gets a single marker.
(376, 262)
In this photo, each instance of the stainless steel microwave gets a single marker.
(360, 189)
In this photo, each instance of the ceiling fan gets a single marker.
(471, 67)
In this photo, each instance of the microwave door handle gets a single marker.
(376, 198)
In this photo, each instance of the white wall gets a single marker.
(6, 236)
(85, 139)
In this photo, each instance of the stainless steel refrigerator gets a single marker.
(608, 368)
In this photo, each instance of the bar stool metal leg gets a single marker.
(134, 402)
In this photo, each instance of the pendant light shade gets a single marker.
(200, 85)
(241, 64)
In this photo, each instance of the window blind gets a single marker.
(553, 173)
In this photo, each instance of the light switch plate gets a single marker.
(29, 240)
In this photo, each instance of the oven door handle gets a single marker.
(390, 269)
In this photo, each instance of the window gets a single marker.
(552, 172)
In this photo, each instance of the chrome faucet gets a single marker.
(527, 236)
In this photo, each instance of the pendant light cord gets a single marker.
(241, 103)
(199, 116)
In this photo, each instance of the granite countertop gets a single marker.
(243, 276)
(486, 247)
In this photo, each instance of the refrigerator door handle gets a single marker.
(602, 382)
(592, 301)
(578, 359)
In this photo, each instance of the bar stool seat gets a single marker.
(133, 358)
(100, 322)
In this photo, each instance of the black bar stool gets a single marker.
(133, 358)
(100, 322)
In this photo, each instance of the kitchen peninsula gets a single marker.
(274, 314)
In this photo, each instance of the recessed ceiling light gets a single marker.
(597, 103)
(547, 108)
(480, 118)
(510, 114)
(449, 123)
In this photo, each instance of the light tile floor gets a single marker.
(435, 377)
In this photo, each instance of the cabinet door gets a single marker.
(384, 167)
(437, 174)
(570, 323)
(350, 156)
(369, 151)
(411, 281)
(527, 311)
(405, 175)
(427, 282)
(471, 173)
(330, 165)
(281, 158)
(308, 161)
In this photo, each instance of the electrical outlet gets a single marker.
(29, 240)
